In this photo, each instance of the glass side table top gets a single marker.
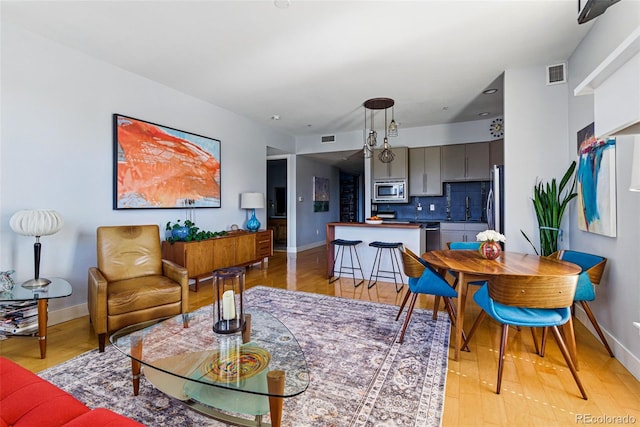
(210, 362)
(58, 288)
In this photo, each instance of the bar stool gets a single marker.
(392, 247)
(351, 269)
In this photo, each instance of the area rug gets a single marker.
(359, 375)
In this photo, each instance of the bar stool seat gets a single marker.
(377, 273)
(350, 269)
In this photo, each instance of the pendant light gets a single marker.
(370, 134)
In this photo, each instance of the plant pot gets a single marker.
(180, 233)
(490, 249)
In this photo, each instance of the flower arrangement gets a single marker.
(490, 236)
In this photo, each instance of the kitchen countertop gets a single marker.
(364, 224)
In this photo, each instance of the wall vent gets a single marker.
(556, 74)
(329, 139)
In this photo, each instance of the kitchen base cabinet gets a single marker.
(459, 232)
(240, 248)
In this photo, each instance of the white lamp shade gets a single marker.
(251, 201)
(635, 167)
(36, 222)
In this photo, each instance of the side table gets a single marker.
(58, 288)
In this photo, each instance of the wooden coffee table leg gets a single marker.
(42, 326)
(246, 332)
(136, 366)
(275, 384)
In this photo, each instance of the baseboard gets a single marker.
(306, 247)
(624, 356)
(67, 313)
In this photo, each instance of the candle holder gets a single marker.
(228, 308)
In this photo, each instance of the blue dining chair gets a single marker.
(423, 279)
(457, 246)
(531, 301)
(592, 268)
(469, 246)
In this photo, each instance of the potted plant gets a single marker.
(188, 232)
(550, 202)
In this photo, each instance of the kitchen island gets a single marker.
(411, 235)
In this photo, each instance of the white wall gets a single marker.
(618, 297)
(56, 152)
(535, 148)
(311, 226)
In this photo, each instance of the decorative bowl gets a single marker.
(373, 221)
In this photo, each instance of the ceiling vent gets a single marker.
(556, 74)
(329, 139)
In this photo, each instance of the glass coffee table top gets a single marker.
(58, 288)
(200, 367)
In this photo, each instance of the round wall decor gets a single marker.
(497, 128)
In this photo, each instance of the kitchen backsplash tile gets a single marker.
(454, 196)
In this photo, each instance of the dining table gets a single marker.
(471, 266)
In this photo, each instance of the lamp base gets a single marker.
(253, 224)
(36, 283)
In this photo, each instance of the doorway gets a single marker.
(277, 219)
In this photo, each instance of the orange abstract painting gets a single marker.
(162, 167)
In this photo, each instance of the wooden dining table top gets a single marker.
(471, 262)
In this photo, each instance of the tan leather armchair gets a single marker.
(132, 282)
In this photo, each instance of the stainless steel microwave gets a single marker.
(390, 191)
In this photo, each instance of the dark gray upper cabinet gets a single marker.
(397, 169)
(424, 171)
(466, 162)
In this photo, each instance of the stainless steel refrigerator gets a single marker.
(495, 199)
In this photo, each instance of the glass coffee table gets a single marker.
(226, 377)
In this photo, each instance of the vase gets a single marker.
(180, 233)
(490, 249)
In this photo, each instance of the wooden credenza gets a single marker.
(238, 248)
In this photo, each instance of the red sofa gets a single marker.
(28, 400)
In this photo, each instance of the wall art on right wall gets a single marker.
(596, 179)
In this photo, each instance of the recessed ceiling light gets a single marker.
(489, 91)
(445, 108)
(275, 117)
(484, 113)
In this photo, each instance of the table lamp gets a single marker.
(36, 222)
(252, 201)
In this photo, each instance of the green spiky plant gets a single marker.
(550, 202)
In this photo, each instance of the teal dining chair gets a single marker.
(469, 246)
(530, 301)
(457, 246)
(592, 268)
(423, 279)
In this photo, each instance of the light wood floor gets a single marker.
(535, 391)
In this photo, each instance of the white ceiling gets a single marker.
(313, 63)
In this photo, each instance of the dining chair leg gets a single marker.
(436, 306)
(477, 323)
(594, 322)
(503, 345)
(404, 302)
(535, 340)
(543, 343)
(567, 358)
(406, 320)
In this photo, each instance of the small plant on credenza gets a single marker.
(188, 232)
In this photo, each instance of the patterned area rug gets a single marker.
(359, 376)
